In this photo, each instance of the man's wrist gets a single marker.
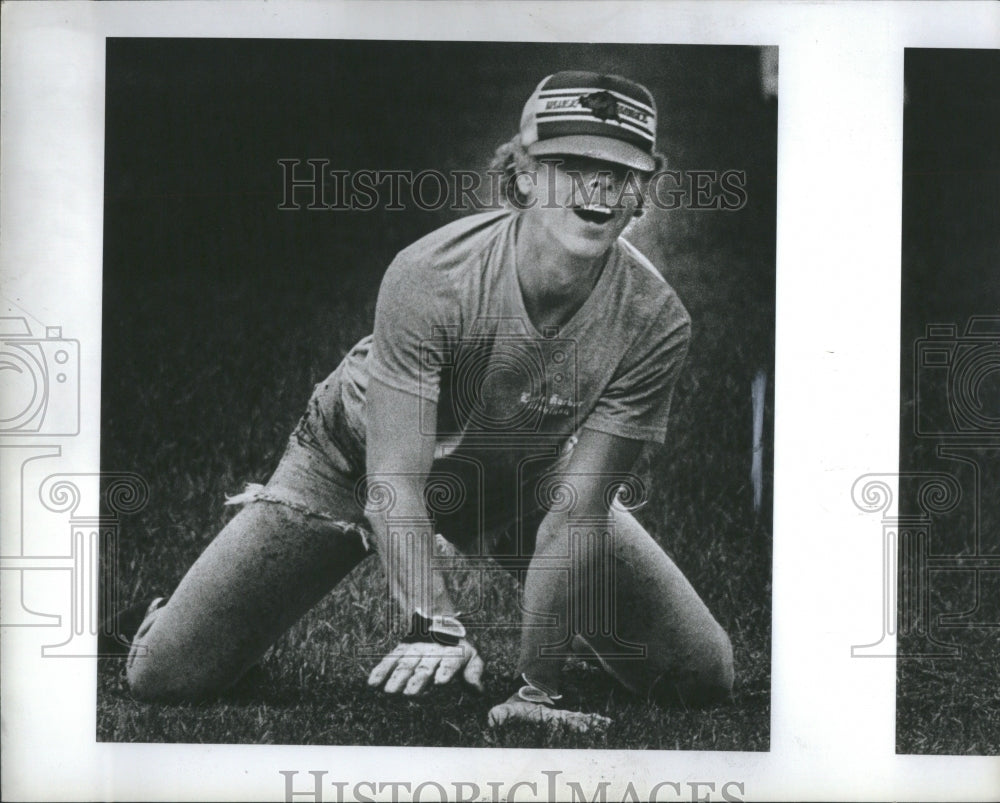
(439, 629)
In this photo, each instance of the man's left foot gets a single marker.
(528, 703)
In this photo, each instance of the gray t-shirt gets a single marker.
(451, 329)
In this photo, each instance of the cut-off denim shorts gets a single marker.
(321, 474)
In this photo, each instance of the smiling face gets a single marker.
(581, 204)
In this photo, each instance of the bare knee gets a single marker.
(160, 669)
(706, 680)
(720, 672)
(152, 677)
(146, 682)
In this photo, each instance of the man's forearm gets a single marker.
(555, 594)
(404, 538)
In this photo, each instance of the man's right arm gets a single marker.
(400, 454)
(400, 451)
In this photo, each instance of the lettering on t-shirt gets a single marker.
(553, 404)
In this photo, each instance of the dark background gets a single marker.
(951, 272)
(195, 129)
(220, 312)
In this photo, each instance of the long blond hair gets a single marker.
(512, 159)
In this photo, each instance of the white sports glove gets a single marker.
(435, 649)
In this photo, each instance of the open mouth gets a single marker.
(594, 213)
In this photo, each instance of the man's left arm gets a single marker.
(581, 493)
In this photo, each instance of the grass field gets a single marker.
(220, 314)
(310, 689)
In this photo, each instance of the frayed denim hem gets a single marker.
(255, 492)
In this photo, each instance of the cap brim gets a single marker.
(595, 147)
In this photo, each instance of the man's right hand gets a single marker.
(414, 665)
